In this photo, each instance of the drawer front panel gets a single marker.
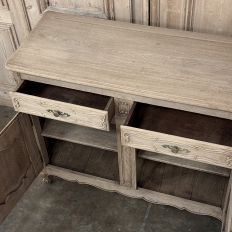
(177, 146)
(60, 111)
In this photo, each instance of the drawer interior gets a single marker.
(85, 159)
(182, 182)
(64, 95)
(181, 123)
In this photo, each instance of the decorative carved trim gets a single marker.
(126, 137)
(123, 108)
(147, 195)
(16, 103)
(229, 160)
(19, 185)
(103, 121)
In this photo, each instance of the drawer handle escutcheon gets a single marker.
(58, 113)
(175, 149)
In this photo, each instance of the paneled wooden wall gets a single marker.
(209, 16)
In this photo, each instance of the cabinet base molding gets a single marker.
(140, 193)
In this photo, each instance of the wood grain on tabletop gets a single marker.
(175, 66)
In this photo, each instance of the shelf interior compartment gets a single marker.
(79, 134)
(85, 159)
(184, 163)
(182, 123)
(182, 182)
(66, 95)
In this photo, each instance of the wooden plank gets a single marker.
(82, 135)
(93, 161)
(19, 19)
(209, 189)
(172, 14)
(150, 196)
(78, 11)
(31, 144)
(129, 172)
(78, 158)
(39, 139)
(122, 10)
(199, 59)
(8, 45)
(5, 16)
(154, 13)
(150, 174)
(94, 5)
(140, 11)
(164, 144)
(33, 11)
(102, 164)
(177, 181)
(184, 163)
(213, 17)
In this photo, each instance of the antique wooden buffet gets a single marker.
(145, 112)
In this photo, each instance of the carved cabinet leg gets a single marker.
(47, 179)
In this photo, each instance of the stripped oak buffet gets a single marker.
(145, 112)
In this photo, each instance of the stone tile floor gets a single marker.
(66, 206)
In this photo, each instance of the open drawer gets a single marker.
(178, 133)
(73, 106)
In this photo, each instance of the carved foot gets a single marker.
(47, 179)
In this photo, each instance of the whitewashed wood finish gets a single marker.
(80, 134)
(190, 149)
(76, 114)
(94, 5)
(34, 11)
(128, 161)
(5, 16)
(3, 4)
(122, 10)
(140, 11)
(172, 13)
(19, 19)
(8, 45)
(150, 196)
(39, 139)
(213, 17)
(83, 12)
(122, 110)
(184, 163)
(189, 63)
(130, 97)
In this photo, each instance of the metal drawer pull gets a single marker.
(58, 113)
(175, 149)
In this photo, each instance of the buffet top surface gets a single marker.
(163, 64)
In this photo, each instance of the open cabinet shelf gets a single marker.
(182, 182)
(79, 134)
(89, 160)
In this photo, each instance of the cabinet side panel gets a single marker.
(18, 167)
